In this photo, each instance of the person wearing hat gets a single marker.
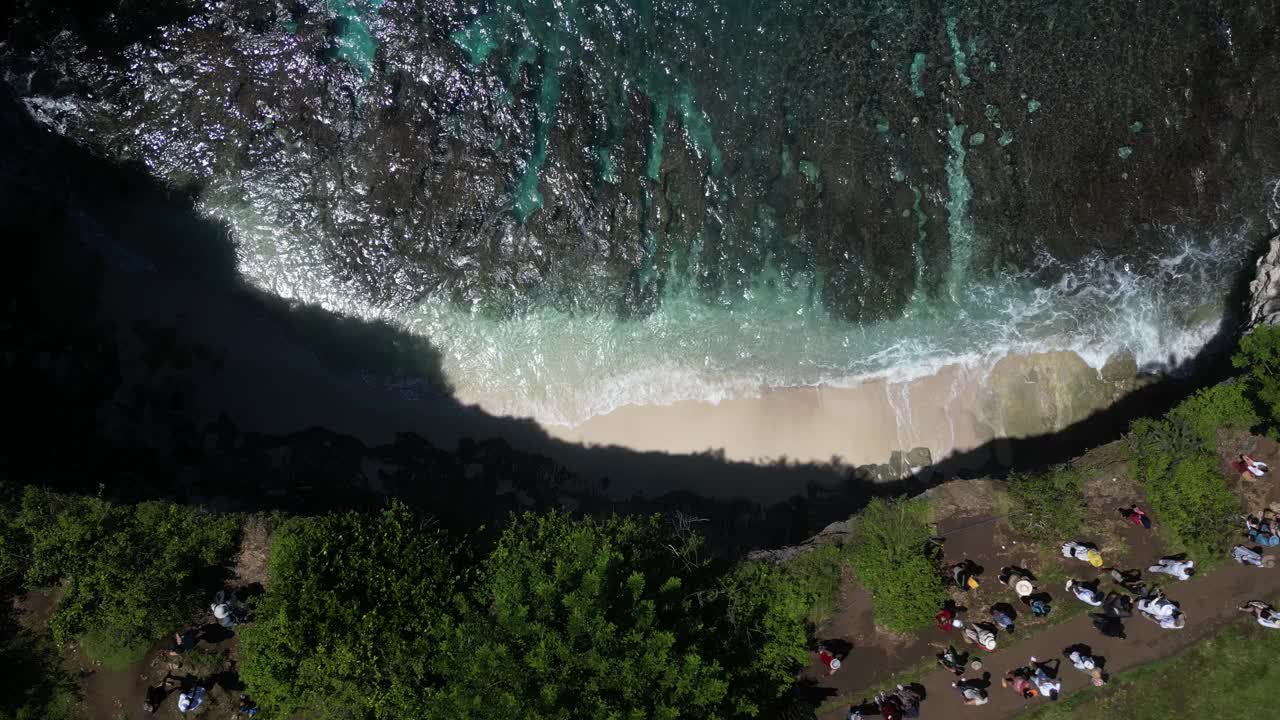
(1181, 569)
(223, 609)
(980, 636)
(1088, 595)
(828, 658)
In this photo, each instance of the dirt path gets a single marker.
(1209, 602)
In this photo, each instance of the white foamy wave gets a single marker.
(562, 368)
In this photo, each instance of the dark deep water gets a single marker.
(589, 204)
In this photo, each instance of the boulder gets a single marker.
(919, 457)
(1264, 289)
(1120, 367)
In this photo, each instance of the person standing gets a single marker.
(1082, 552)
(1086, 594)
(1048, 685)
(1266, 615)
(981, 636)
(191, 699)
(1084, 662)
(1247, 556)
(972, 695)
(1021, 683)
(1181, 569)
(829, 659)
(1137, 516)
(1002, 619)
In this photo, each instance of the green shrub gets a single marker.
(1195, 508)
(893, 561)
(133, 574)
(1259, 354)
(354, 619)
(1049, 506)
(1225, 405)
(756, 630)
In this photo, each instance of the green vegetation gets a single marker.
(1259, 354)
(1175, 460)
(1225, 406)
(1234, 669)
(892, 558)
(816, 574)
(1050, 506)
(371, 617)
(354, 622)
(133, 573)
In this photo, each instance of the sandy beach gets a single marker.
(854, 425)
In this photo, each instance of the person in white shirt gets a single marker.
(191, 699)
(1049, 687)
(1081, 552)
(1086, 594)
(1085, 663)
(1266, 615)
(1246, 556)
(1181, 569)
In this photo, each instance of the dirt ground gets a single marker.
(970, 519)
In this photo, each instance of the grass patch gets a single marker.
(1048, 507)
(1237, 666)
(114, 652)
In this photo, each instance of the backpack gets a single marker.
(1039, 608)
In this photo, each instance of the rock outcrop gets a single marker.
(1264, 290)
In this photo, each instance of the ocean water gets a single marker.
(585, 205)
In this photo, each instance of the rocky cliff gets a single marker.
(1264, 290)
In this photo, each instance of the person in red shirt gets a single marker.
(828, 658)
(1021, 684)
